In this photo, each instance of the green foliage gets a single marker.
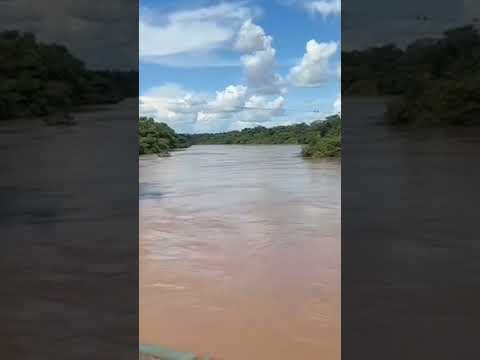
(321, 138)
(291, 134)
(437, 80)
(158, 138)
(326, 143)
(38, 79)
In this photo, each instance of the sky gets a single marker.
(213, 66)
(378, 22)
(103, 34)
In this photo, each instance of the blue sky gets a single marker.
(210, 66)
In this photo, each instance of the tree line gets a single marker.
(38, 79)
(319, 139)
(432, 81)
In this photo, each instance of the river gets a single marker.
(69, 233)
(410, 249)
(240, 253)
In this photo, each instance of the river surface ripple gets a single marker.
(240, 253)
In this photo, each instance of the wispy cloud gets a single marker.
(324, 7)
(190, 33)
(194, 60)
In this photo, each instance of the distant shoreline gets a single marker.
(79, 109)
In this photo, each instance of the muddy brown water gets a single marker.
(240, 253)
(410, 249)
(69, 234)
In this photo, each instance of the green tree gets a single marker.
(157, 138)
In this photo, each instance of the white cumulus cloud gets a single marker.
(188, 111)
(252, 37)
(259, 109)
(172, 104)
(231, 98)
(260, 61)
(314, 68)
(227, 102)
(260, 71)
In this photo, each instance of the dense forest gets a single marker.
(320, 139)
(291, 134)
(38, 79)
(158, 138)
(432, 81)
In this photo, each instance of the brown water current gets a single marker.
(240, 253)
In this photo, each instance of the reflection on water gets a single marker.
(240, 253)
